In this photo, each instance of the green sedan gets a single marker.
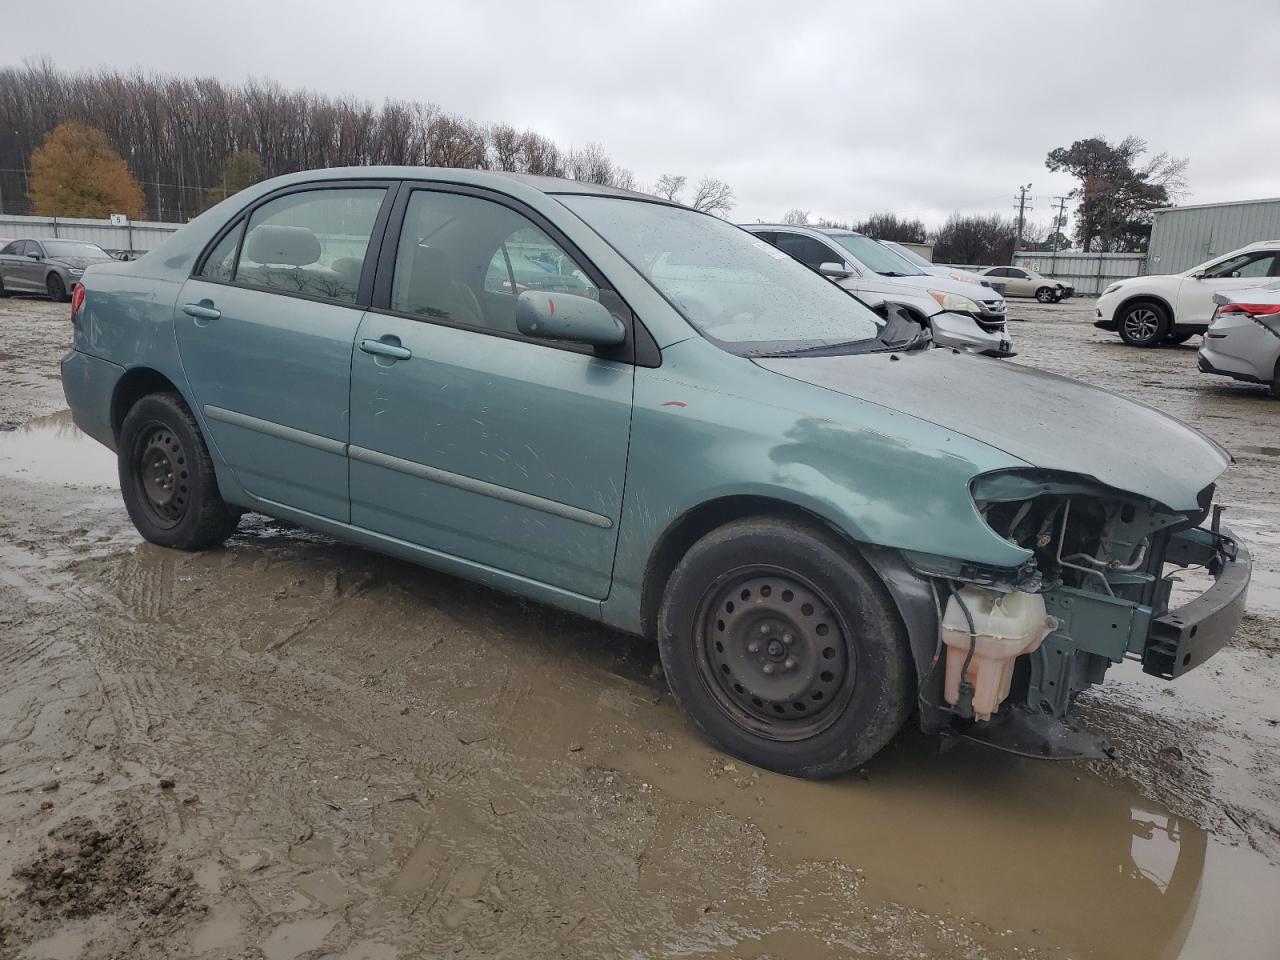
(645, 415)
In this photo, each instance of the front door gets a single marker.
(1238, 272)
(467, 437)
(30, 268)
(265, 330)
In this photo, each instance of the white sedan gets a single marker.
(1171, 308)
(1243, 342)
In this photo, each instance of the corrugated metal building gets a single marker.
(1182, 237)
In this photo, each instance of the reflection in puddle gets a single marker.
(53, 450)
(1018, 844)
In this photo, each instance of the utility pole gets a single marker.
(1022, 216)
(1059, 224)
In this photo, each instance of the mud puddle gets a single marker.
(53, 450)
(1043, 854)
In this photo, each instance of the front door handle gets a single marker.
(381, 348)
(204, 310)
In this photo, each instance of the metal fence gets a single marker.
(133, 237)
(1090, 273)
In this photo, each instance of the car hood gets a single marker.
(926, 282)
(78, 263)
(1045, 420)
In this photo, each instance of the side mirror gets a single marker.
(564, 316)
(34, 256)
(1198, 275)
(836, 271)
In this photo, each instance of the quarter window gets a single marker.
(311, 243)
(466, 260)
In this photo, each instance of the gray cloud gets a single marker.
(836, 107)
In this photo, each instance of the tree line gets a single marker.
(190, 140)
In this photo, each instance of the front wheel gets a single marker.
(784, 649)
(167, 478)
(56, 288)
(1144, 325)
(1046, 295)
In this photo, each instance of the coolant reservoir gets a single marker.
(1006, 626)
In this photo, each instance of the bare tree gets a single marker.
(174, 133)
(712, 196)
(796, 217)
(832, 224)
(669, 186)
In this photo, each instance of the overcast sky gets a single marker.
(838, 108)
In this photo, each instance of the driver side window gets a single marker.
(1259, 264)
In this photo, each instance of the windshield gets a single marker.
(72, 248)
(875, 256)
(735, 289)
(909, 255)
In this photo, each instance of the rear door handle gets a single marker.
(201, 311)
(380, 348)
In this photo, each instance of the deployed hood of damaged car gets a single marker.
(1048, 421)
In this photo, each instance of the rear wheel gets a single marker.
(56, 288)
(1143, 324)
(3, 291)
(1046, 295)
(784, 649)
(167, 477)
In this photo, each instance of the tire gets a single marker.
(784, 648)
(1178, 338)
(56, 288)
(167, 478)
(3, 292)
(1143, 324)
(1045, 295)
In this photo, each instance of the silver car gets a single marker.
(51, 267)
(958, 314)
(1243, 342)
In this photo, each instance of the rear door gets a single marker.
(265, 330)
(10, 265)
(467, 437)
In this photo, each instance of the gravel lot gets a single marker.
(293, 748)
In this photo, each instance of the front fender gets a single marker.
(708, 426)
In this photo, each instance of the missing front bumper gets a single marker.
(1184, 638)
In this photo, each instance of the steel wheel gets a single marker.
(161, 476)
(774, 653)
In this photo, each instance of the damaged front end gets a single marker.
(1016, 646)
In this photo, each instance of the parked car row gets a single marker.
(1230, 301)
(958, 313)
(628, 409)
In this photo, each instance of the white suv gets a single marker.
(1149, 311)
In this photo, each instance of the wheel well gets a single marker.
(1144, 298)
(692, 526)
(133, 386)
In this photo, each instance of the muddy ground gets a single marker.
(293, 748)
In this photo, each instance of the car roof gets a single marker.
(493, 178)
(803, 228)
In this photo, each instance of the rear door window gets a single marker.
(311, 243)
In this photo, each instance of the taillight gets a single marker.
(1252, 309)
(77, 300)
